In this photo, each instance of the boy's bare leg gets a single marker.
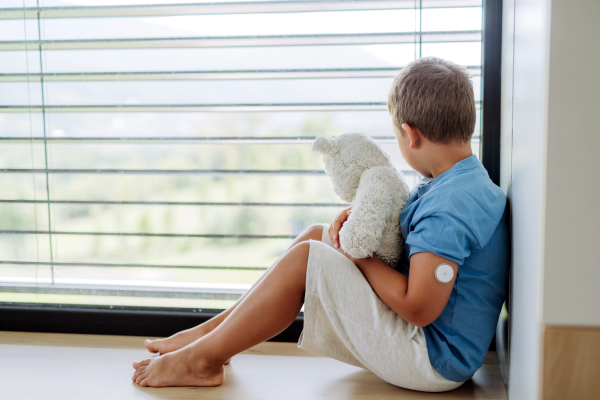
(263, 313)
(183, 338)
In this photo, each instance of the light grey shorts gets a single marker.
(344, 319)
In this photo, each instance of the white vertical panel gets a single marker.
(525, 125)
(572, 259)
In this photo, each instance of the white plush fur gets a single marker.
(363, 174)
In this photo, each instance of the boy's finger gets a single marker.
(336, 229)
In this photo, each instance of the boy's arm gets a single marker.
(420, 299)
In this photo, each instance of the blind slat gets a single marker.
(192, 139)
(213, 75)
(121, 291)
(212, 172)
(238, 7)
(370, 106)
(128, 265)
(175, 203)
(147, 234)
(245, 41)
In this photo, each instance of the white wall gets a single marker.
(523, 157)
(572, 251)
(551, 171)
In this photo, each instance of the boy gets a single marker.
(425, 327)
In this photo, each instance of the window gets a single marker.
(158, 155)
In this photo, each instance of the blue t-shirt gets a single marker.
(460, 216)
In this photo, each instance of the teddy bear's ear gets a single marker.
(323, 145)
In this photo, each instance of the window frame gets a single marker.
(153, 321)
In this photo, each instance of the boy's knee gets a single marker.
(314, 232)
(298, 257)
(301, 249)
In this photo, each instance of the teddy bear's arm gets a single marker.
(363, 231)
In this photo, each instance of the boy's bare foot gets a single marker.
(176, 341)
(178, 368)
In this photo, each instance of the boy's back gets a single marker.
(460, 216)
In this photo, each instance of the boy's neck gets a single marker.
(441, 157)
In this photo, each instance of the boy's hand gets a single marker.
(336, 225)
(357, 260)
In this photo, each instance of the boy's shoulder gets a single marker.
(465, 193)
(467, 182)
(469, 187)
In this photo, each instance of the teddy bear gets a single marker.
(363, 174)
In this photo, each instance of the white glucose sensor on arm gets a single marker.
(444, 273)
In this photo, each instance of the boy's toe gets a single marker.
(151, 345)
(142, 363)
(140, 378)
(139, 372)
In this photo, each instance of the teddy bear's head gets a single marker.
(346, 157)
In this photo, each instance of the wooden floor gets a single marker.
(57, 366)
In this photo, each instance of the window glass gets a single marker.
(172, 173)
(330, 22)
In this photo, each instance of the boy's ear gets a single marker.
(414, 135)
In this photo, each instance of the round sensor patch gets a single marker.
(444, 273)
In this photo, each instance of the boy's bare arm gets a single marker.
(419, 299)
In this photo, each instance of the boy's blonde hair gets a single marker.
(436, 97)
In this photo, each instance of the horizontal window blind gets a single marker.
(159, 154)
